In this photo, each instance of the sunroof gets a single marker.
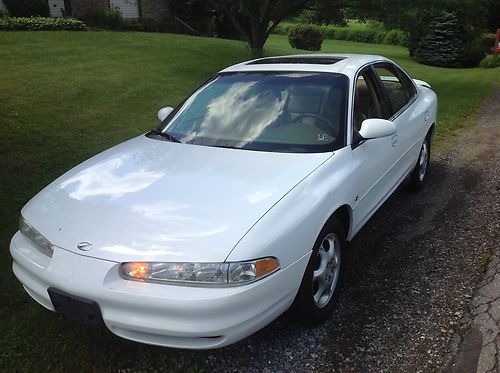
(297, 60)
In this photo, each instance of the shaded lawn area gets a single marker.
(66, 96)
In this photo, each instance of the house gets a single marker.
(153, 10)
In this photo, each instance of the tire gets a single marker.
(419, 173)
(312, 304)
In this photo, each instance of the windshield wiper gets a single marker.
(164, 135)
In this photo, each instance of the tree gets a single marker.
(493, 7)
(325, 12)
(255, 20)
(441, 46)
(415, 16)
(27, 8)
(201, 17)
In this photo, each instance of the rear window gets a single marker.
(297, 60)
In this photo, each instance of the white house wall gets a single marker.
(129, 8)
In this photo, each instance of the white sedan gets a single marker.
(238, 207)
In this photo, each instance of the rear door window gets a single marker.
(398, 90)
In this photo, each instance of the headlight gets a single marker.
(40, 242)
(200, 274)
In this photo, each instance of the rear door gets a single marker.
(400, 101)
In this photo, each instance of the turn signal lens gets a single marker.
(250, 271)
(200, 274)
(266, 266)
(137, 270)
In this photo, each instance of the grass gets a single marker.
(484, 260)
(66, 96)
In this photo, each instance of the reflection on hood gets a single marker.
(109, 179)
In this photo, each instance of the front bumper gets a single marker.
(159, 314)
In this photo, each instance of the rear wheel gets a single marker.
(317, 293)
(417, 176)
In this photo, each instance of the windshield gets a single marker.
(278, 111)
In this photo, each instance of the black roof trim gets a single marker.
(297, 60)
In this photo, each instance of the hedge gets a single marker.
(393, 37)
(41, 24)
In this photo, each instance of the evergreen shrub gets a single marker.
(442, 46)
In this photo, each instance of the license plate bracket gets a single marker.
(77, 308)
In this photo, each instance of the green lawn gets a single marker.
(65, 96)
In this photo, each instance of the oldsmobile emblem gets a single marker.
(84, 246)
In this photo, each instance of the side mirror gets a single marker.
(164, 112)
(375, 128)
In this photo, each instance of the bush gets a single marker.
(306, 37)
(490, 61)
(27, 8)
(396, 37)
(362, 36)
(441, 46)
(380, 37)
(41, 24)
(473, 54)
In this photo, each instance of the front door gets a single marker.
(374, 159)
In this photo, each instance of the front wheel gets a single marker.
(417, 176)
(317, 293)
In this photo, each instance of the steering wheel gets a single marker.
(323, 123)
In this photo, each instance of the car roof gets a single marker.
(347, 64)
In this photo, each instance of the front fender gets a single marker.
(290, 228)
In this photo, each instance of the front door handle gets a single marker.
(394, 139)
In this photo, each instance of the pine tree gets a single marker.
(442, 46)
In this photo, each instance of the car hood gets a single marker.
(151, 200)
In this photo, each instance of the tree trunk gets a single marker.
(258, 40)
